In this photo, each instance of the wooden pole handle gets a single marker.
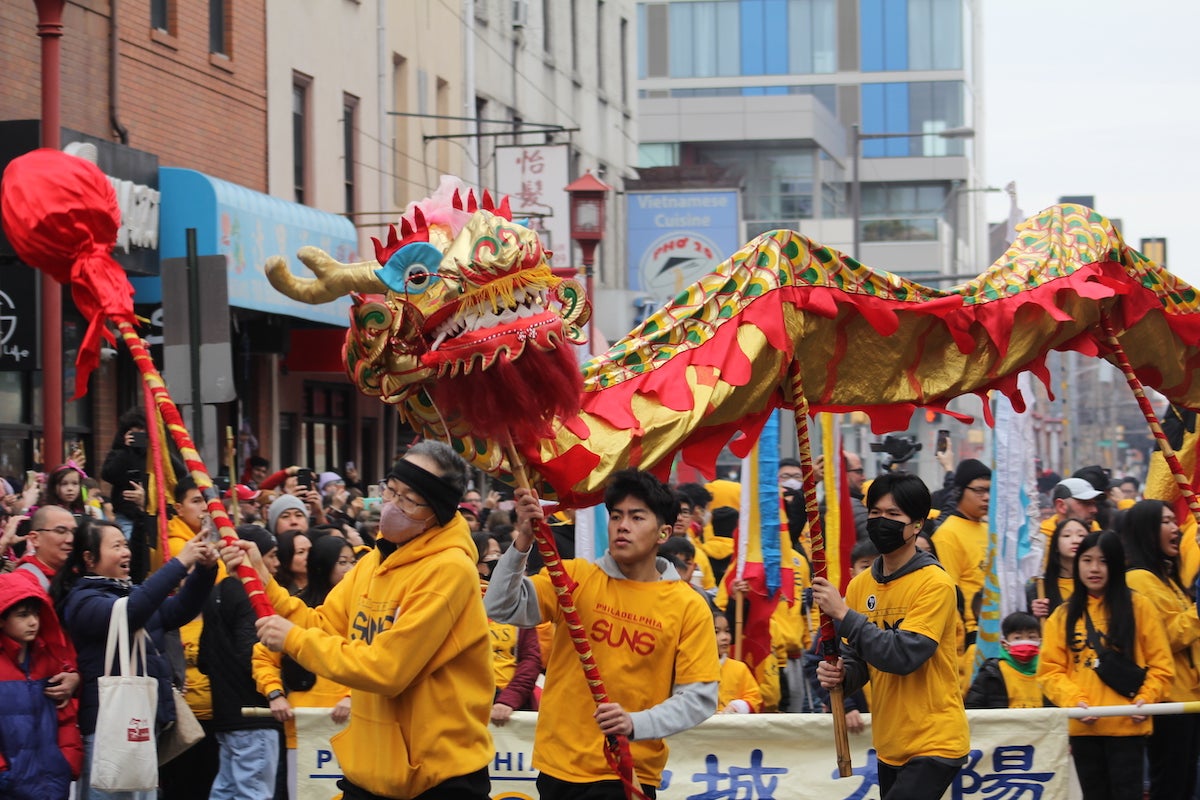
(1040, 582)
(738, 622)
(841, 737)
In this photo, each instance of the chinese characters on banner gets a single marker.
(534, 178)
(1017, 754)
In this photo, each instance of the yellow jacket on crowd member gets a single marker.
(1182, 626)
(1189, 550)
(737, 683)
(265, 666)
(405, 631)
(1067, 676)
(199, 691)
(962, 549)
(704, 567)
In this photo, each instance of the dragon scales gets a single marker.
(466, 290)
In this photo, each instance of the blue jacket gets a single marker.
(88, 607)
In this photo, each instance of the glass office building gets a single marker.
(770, 90)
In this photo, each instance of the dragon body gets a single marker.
(782, 315)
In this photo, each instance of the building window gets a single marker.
(658, 154)
(600, 45)
(935, 34)
(218, 39)
(575, 36)
(326, 425)
(902, 212)
(624, 62)
(919, 108)
(547, 30)
(653, 33)
(812, 36)
(779, 182)
(702, 39)
(160, 15)
(301, 84)
(911, 34)
(349, 151)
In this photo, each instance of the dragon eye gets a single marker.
(418, 278)
(412, 269)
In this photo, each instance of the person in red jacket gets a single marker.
(41, 750)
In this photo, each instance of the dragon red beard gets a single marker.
(521, 396)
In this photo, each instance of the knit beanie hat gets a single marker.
(970, 469)
(261, 537)
(280, 505)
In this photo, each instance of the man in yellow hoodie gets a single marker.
(405, 631)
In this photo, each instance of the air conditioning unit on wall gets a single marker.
(520, 13)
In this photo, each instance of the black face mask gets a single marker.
(886, 534)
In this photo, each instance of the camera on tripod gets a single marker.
(896, 450)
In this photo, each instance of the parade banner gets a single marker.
(1015, 753)
(317, 769)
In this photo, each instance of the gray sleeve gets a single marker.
(896, 651)
(688, 706)
(511, 597)
(856, 674)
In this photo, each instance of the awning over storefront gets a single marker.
(247, 227)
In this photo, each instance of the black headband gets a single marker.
(441, 496)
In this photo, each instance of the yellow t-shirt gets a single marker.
(919, 714)
(647, 637)
(962, 548)
(738, 684)
(1023, 690)
(1067, 676)
(504, 651)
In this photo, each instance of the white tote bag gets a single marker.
(125, 754)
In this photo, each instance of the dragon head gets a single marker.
(460, 304)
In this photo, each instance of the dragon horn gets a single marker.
(334, 279)
(393, 242)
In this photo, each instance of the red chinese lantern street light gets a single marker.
(589, 197)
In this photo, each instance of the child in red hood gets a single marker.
(41, 750)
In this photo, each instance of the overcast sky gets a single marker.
(1098, 97)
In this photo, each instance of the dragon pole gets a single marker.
(816, 535)
(1139, 394)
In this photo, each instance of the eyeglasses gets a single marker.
(859, 470)
(406, 503)
(61, 530)
(980, 490)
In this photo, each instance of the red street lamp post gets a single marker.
(589, 197)
(50, 29)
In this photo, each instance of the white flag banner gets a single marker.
(317, 769)
(1015, 753)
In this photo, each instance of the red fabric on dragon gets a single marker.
(60, 214)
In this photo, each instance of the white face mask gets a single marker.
(792, 485)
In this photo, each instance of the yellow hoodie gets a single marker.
(1182, 625)
(407, 634)
(1067, 676)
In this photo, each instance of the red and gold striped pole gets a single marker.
(183, 440)
(1185, 486)
(816, 535)
(617, 749)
